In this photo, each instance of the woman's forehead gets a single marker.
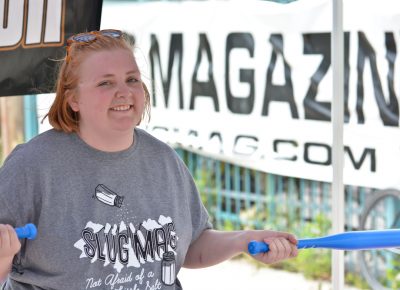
(108, 62)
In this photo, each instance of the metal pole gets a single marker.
(30, 117)
(337, 47)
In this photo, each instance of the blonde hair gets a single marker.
(61, 116)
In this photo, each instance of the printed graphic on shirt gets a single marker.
(107, 196)
(124, 246)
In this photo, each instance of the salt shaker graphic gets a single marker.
(107, 196)
(168, 268)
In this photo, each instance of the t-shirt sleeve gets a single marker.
(198, 213)
(16, 192)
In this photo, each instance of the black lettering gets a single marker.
(320, 43)
(89, 247)
(123, 252)
(175, 51)
(207, 88)
(160, 241)
(276, 144)
(147, 248)
(217, 136)
(307, 150)
(193, 135)
(276, 92)
(171, 236)
(245, 145)
(367, 151)
(157, 128)
(391, 53)
(240, 105)
(100, 254)
(111, 249)
(389, 112)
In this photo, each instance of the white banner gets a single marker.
(250, 82)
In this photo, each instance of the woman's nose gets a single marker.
(123, 90)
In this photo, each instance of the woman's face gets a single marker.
(110, 97)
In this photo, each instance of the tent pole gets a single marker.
(337, 112)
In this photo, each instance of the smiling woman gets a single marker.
(99, 78)
(109, 99)
(114, 206)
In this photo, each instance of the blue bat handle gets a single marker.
(28, 231)
(255, 247)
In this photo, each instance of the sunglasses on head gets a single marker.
(89, 37)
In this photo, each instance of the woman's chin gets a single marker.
(124, 129)
(124, 124)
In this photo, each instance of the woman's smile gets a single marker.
(121, 108)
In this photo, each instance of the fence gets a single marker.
(239, 198)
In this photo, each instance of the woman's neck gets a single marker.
(108, 142)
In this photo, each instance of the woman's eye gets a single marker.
(132, 80)
(105, 83)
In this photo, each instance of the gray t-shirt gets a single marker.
(119, 221)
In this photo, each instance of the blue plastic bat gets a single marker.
(353, 240)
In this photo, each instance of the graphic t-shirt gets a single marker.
(121, 220)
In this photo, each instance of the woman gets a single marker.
(115, 208)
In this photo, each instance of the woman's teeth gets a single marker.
(121, 108)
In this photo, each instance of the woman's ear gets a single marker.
(72, 101)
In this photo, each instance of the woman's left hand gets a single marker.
(281, 245)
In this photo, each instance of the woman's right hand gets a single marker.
(9, 242)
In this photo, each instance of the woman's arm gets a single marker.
(213, 247)
(9, 247)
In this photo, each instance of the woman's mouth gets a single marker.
(121, 108)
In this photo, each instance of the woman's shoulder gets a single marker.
(155, 148)
(50, 136)
(41, 145)
(47, 140)
(151, 142)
